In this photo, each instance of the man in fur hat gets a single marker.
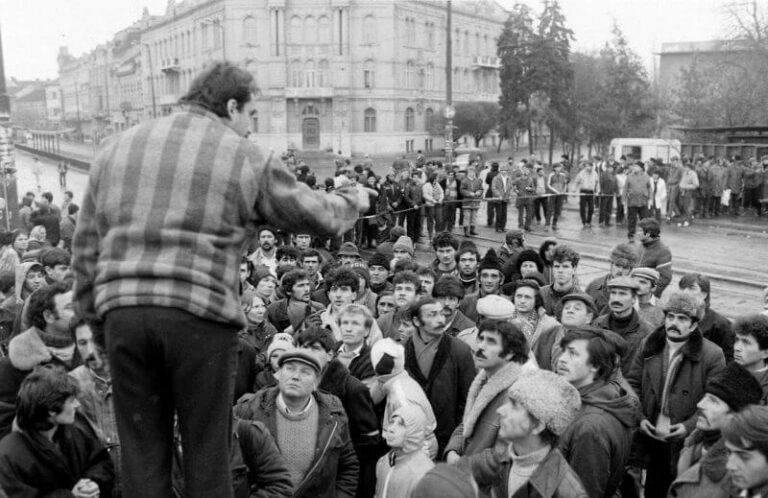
(669, 374)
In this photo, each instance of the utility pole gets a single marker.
(151, 79)
(449, 110)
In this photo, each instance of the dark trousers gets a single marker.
(586, 206)
(541, 205)
(555, 209)
(619, 210)
(434, 217)
(714, 206)
(501, 214)
(165, 360)
(606, 208)
(635, 213)
(490, 207)
(735, 205)
(524, 213)
(449, 215)
(752, 199)
(413, 221)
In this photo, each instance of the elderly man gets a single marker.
(310, 427)
(184, 192)
(669, 374)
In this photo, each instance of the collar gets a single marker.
(355, 352)
(281, 405)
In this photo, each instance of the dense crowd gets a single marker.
(225, 334)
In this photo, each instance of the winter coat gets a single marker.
(734, 176)
(598, 441)
(258, 335)
(361, 366)
(246, 370)
(762, 378)
(25, 352)
(716, 180)
(657, 255)
(460, 322)
(553, 478)
(608, 185)
(634, 333)
(661, 196)
(598, 291)
(334, 469)
(468, 305)
(471, 191)
(47, 218)
(479, 428)
(718, 329)
(432, 193)
(701, 360)
(264, 379)
(638, 190)
(705, 478)
(32, 466)
(363, 424)
(551, 298)
(446, 386)
(499, 191)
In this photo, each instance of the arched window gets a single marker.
(323, 76)
(410, 119)
(324, 30)
(409, 74)
(466, 43)
(430, 76)
(296, 29)
(369, 74)
(369, 120)
(309, 72)
(250, 34)
(429, 120)
(310, 31)
(369, 30)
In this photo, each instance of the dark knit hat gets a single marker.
(445, 481)
(378, 259)
(529, 255)
(490, 262)
(736, 386)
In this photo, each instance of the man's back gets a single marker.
(176, 199)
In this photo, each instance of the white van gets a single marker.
(645, 148)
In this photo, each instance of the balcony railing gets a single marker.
(170, 65)
(486, 61)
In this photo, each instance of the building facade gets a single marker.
(334, 75)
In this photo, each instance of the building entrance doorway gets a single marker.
(310, 128)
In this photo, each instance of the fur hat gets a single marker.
(548, 397)
(387, 357)
(736, 386)
(378, 259)
(686, 304)
(445, 481)
(404, 243)
(646, 273)
(490, 262)
(625, 255)
(495, 307)
(280, 341)
(530, 255)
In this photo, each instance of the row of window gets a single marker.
(369, 120)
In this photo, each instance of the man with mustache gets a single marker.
(701, 468)
(669, 374)
(623, 318)
(500, 355)
(449, 292)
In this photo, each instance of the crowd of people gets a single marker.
(214, 328)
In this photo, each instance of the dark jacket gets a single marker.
(259, 335)
(468, 305)
(597, 442)
(446, 386)
(246, 371)
(334, 470)
(634, 333)
(278, 313)
(550, 299)
(717, 329)
(361, 367)
(32, 466)
(25, 352)
(701, 360)
(47, 218)
(553, 478)
(705, 478)
(460, 322)
(265, 378)
(363, 423)
(656, 255)
(598, 290)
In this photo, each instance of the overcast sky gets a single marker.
(33, 30)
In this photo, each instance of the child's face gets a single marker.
(394, 433)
